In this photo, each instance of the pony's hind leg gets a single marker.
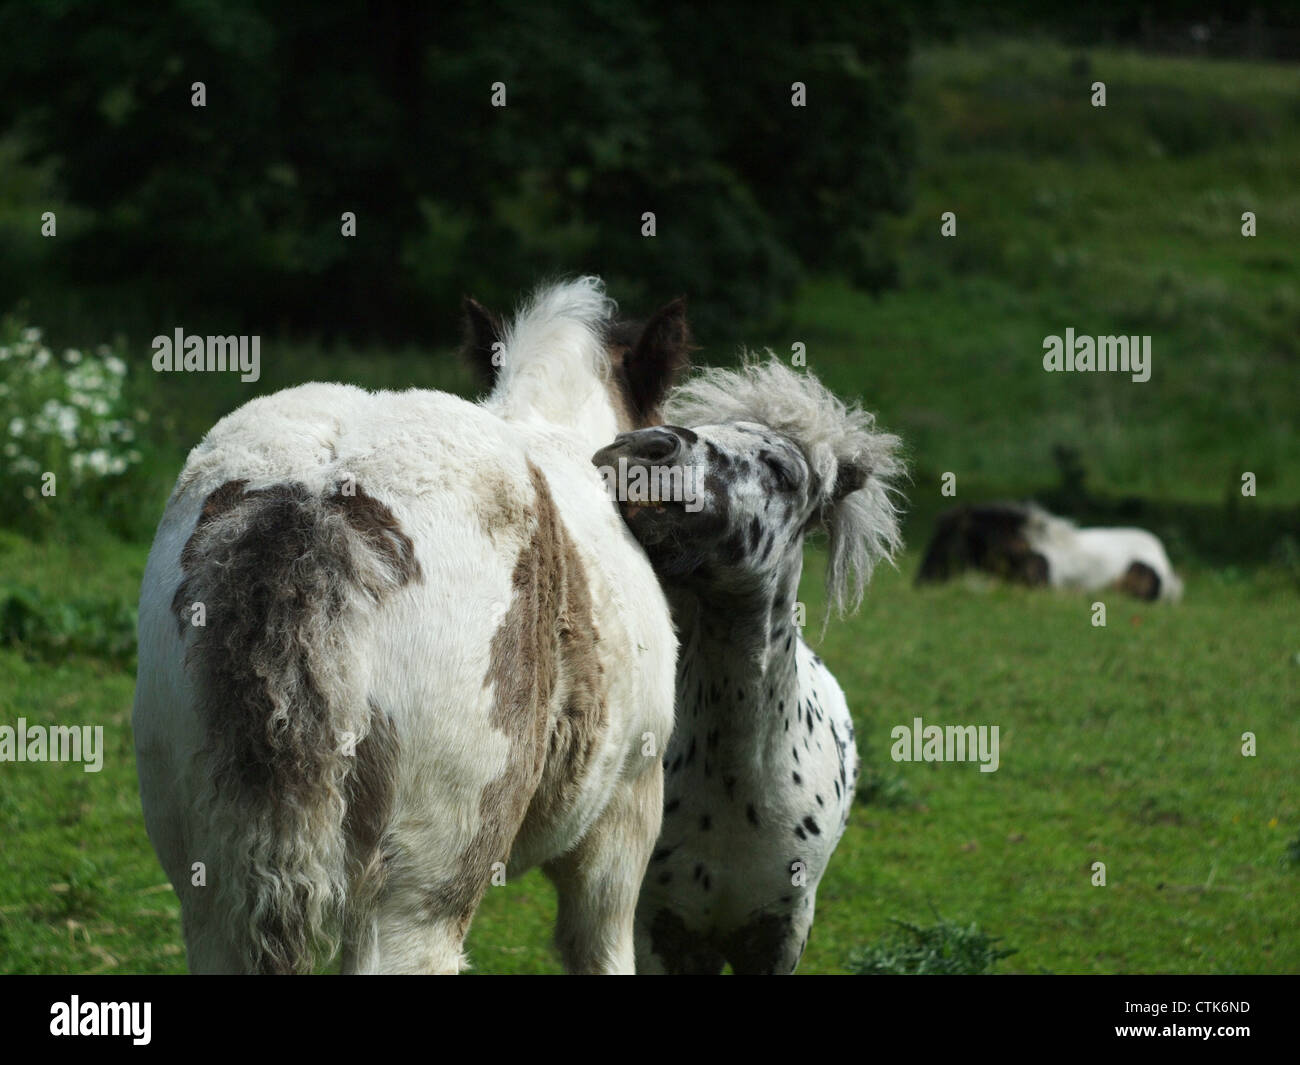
(212, 944)
(410, 928)
(599, 880)
(402, 939)
(428, 881)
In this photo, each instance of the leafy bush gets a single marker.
(64, 415)
(943, 949)
(51, 629)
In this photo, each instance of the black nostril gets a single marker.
(657, 445)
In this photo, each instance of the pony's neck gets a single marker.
(742, 646)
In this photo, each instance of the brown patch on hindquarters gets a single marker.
(275, 568)
(500, 505)
(545, 644)
(380, 529)
(218, 502)
(367, 516)
(1140, 580)
(583, 717)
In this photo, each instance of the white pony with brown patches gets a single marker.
(1023, 543)
(394, 645)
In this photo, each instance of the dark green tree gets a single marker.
(613, 108)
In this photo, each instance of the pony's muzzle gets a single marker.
(661, 445)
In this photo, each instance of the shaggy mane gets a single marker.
(835, 438)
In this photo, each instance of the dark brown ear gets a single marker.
(660, 354)
(849, 477)
(482, 339)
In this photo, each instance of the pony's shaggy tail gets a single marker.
(289, 579)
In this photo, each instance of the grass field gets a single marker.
(1119, 744)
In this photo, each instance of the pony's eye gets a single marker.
(786, 477)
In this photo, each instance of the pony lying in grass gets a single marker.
(391, 642)
(761, 769)
(1023, 543)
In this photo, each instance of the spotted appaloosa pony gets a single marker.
(761, 769)
(392, 641)
(1023, 543)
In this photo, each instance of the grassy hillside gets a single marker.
(1117, 220)
(1119, 744)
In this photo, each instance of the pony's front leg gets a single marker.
(771, 944)
(599, 880)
